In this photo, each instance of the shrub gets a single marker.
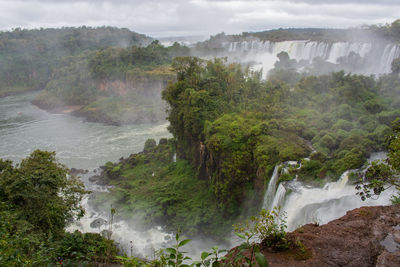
(373, 106)
(342, 124)
(345, 112)
(328, 141)
(269, 227)
(285, 177)
(149, 145)
(310, 169)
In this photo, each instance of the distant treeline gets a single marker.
(28, 58)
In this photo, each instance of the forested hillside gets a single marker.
(231, 128)
(28, 58)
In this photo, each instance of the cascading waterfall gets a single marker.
(390, 52)
(270, 194)
(305, 204)
(264, 52)
(279, 197)
(273, 196)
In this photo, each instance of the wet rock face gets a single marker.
(368, 236)
(97, 223)
(78, 171)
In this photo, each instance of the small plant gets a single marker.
(254, 248)
(303, 252)
(174, 256)
(132, 261)
(211, 259)
(269, 228)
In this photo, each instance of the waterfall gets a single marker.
(340, 184)
(390, 52)
(321, 205)
(306, 204)
(264, 53)
(275, 197)
(270, 194)
(279, 197)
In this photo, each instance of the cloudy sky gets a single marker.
(161, 18)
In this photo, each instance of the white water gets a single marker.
(270, 194)
(264, 53)
(279, 197)
(144, 243)
(306, 204)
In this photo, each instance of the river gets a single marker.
(78, 144)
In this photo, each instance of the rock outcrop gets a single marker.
(367, 236)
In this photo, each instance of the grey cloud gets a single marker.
(195, 17)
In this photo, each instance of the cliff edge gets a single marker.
(367, 236)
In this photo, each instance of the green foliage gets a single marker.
(37, 200)
(149, 145)
(86, 68)
(112, 63)
(211, 259)
(268, 227)
(30, 57)
(234, 128)
(39, 183)
(175, 256)
(310, 170)
(132, 261)
(380, 176)
(285, 177)
(152, 189)
(87, 248)
(231, 128)
(113, 85)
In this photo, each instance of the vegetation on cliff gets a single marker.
(113, 85)
(231, 128)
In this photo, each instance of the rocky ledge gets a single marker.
(368, 236)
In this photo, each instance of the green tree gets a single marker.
(42, 189)
(382, 176)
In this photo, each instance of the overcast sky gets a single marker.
(159, 18)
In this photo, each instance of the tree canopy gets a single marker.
(43, 191)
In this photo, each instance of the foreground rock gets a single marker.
(368, 236)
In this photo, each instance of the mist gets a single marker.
(310, 51)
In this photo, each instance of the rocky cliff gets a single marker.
(368, 236)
